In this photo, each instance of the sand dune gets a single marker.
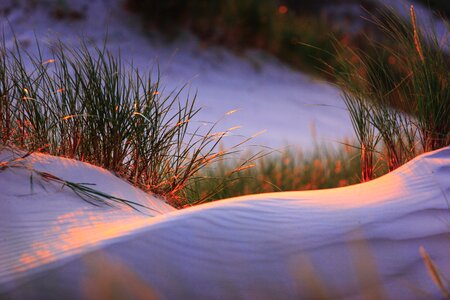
(354, 240)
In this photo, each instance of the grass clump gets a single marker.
(398, 97)
(84, 103)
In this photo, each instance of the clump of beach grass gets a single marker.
(397, 96)
(84, 103)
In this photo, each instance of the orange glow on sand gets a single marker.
(39, 254)
(75, 230)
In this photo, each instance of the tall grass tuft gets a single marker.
(398, 96)
(84, 103)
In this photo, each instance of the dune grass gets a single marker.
(398, 102)
(398, 98)
(84, 103)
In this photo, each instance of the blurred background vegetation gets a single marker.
(299, 33)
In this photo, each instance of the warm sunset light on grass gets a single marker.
(126, 179)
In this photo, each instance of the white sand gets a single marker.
(34, 213)
(256, 247)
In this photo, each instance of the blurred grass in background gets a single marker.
(277, 27)
(299, 33)
(322, 167)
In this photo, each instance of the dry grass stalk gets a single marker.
(434, 273)
(416, 34)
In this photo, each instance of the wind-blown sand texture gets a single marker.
(351, 241)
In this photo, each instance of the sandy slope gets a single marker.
(254, 247)
(34, 213)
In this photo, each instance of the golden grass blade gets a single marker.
(434, 273)
(416, 35)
